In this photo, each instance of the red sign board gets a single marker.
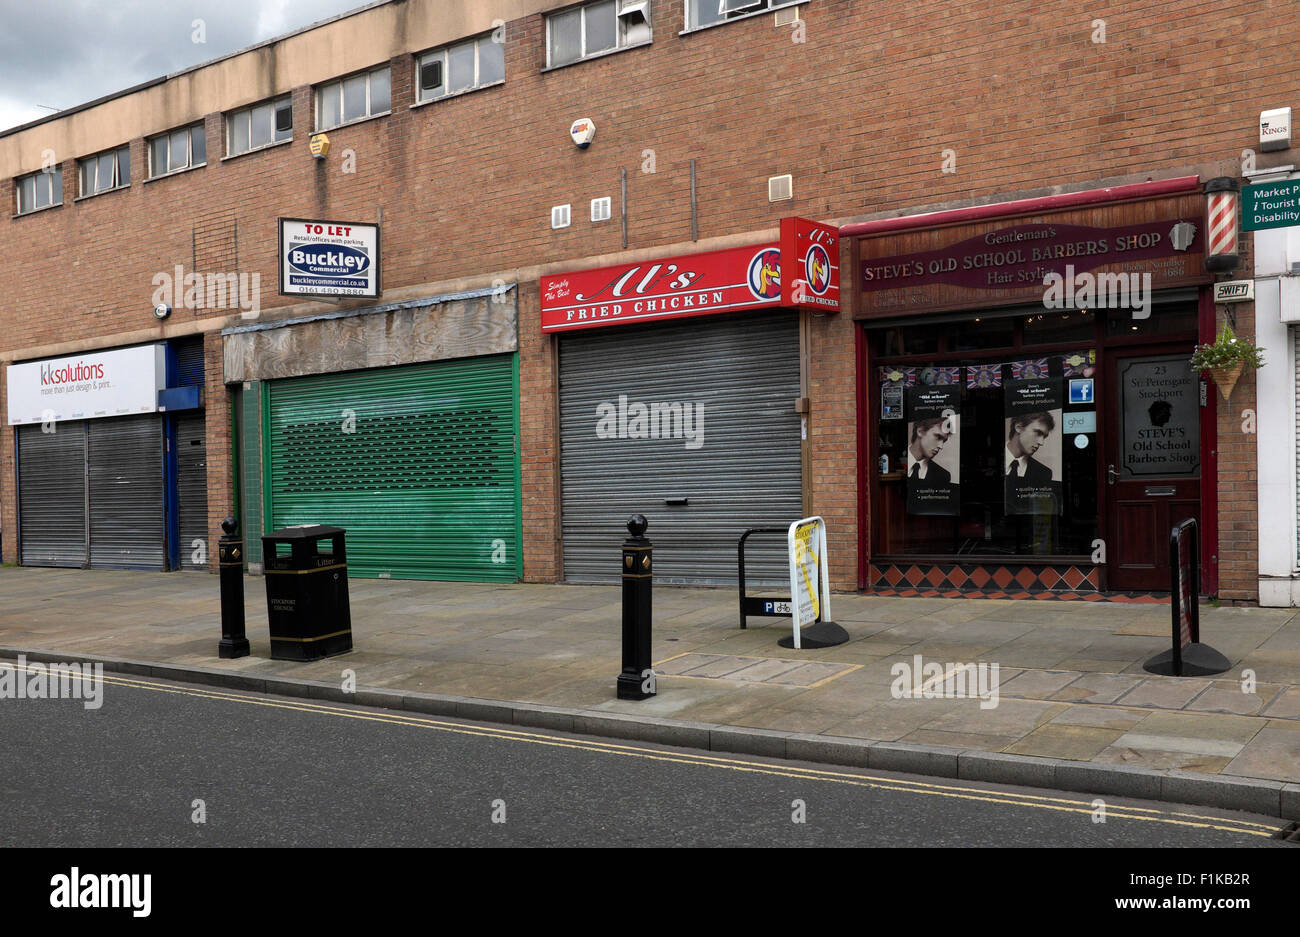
(811, 277)
(671, 288)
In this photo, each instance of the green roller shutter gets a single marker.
(417, 463)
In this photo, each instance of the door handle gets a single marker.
(1111, 475)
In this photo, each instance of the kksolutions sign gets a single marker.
(89, 386)
(328, 258)
(701, 284)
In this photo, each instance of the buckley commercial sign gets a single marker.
(328, 258)
(700, 284)
(87, 386)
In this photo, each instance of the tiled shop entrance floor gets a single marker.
(772, 670)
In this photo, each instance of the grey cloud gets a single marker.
(61, 53)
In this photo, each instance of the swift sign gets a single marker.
(328, 258)
(86, 386)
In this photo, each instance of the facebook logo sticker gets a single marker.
(1081, 391)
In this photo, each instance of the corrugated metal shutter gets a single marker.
(248, 404)
(425, 482)
(126, 492)
(746, 472)
(192, 485)
(189, 362)
(52, 495)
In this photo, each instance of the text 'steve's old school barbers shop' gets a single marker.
(1030, 421)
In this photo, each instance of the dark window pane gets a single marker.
(283, 120)
(1164, 319)
(979, 333)
(124, 166)
(889, 343)
(56, 186)
(1053, 328)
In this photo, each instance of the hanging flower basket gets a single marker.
(1226, 358)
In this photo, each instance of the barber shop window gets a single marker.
(973, 454)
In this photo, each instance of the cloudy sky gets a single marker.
(56, 54)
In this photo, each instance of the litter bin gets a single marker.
(306, 570)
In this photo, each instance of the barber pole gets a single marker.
(1222, 196)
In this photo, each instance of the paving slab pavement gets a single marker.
(1070, 689)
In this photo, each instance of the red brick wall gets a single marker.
(860, 113)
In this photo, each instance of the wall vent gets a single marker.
(559, 216)
(780, 188)
(600, 209)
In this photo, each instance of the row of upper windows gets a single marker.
(572, 34)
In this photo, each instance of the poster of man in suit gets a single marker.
(933, 450)
(1032, 460)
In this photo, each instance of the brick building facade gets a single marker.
(875, 114)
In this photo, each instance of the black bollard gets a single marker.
(230, 557)
(637, 680)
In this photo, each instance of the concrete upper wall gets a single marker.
(353, 41)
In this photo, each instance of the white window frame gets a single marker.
(443, 53)
(189, 150)
(370, 112)
(246, 114)
(36, 190)
(620, 37)
(764, 6)
(93, 160)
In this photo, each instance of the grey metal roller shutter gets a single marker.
(192, 485)
(124, 455)
(745, 473)
(52, 495)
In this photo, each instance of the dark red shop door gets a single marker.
(1153, 461)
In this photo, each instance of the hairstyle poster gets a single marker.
(1032, 457)
(933, 450)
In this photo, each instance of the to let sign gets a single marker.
(671, 288)
(328, 258)
(1270, 205)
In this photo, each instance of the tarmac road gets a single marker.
(261, 770)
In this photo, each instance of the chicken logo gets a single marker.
(818, 268)
(765, 274)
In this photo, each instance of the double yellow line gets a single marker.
(1042, 802)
